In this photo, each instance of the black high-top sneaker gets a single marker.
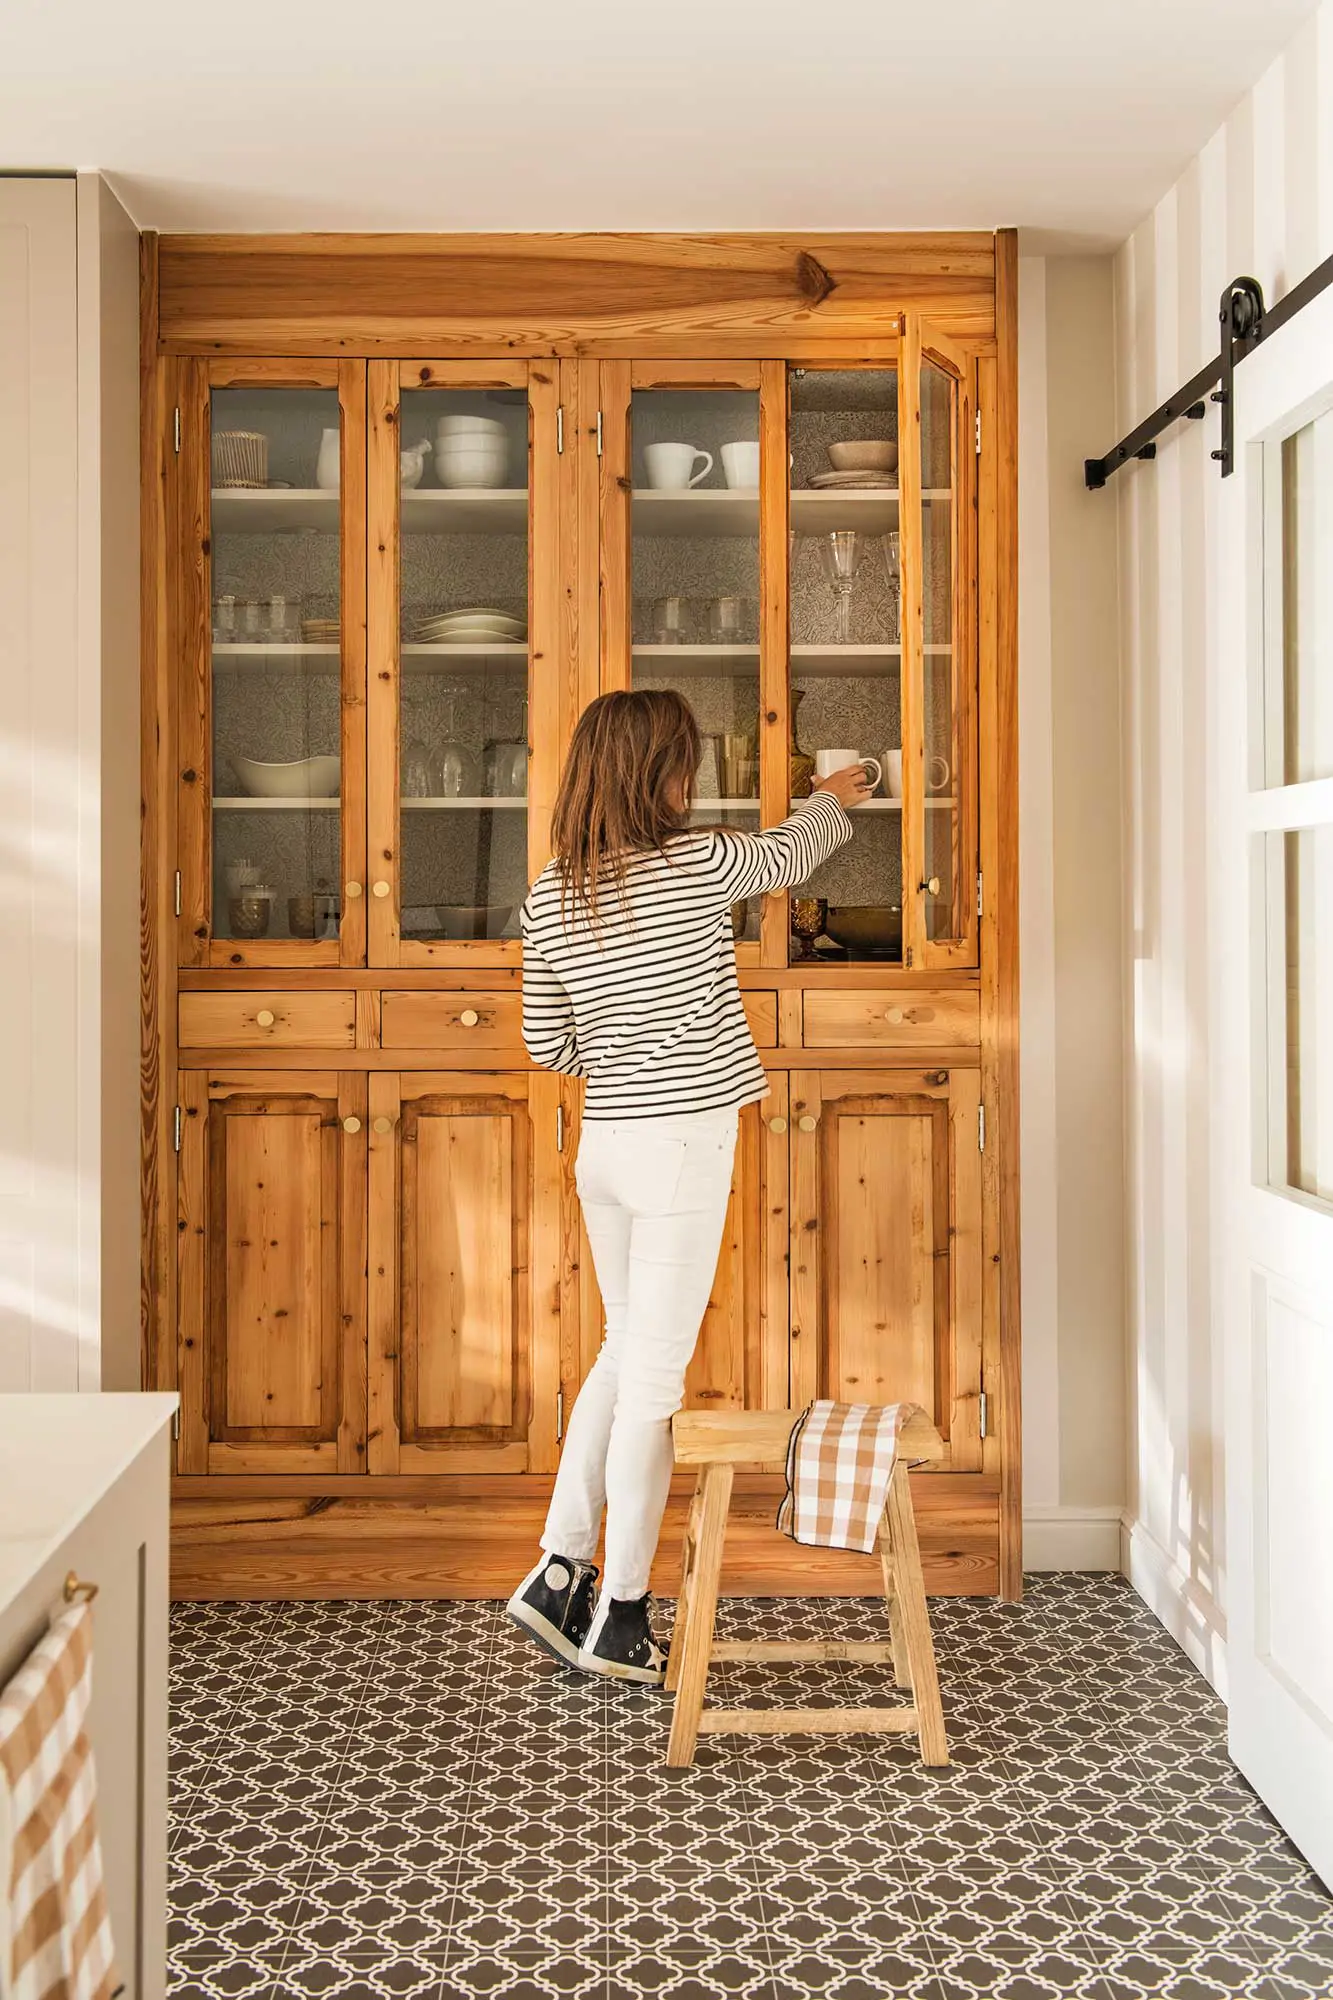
(620, 1642)
(553, 1604)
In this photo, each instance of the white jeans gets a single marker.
(654, 1194)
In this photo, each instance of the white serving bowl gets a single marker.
(465, 463)
(308, 778)
(463, 426)
(864, 455)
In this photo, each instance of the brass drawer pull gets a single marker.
(265, 1017)
(351, 1124)
(469, 1017)
(807, 1124)
(777, 1124)
(383, 1125)
(933, 885)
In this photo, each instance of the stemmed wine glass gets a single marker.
(893, 565)
(841, 551)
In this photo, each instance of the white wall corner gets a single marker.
(1079, 1538)
(1189, 1612)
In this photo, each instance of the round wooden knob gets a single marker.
(469, 1017)
(379, 889)
(353, 890)
(777, 1124)
(266, 1017)
(383, 1125)
(351, 1124)
(896, 1015)
(807, 1124)
(934, 885)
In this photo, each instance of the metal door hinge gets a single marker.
(178, 892)
(559, 1415)
(984, 1413)
(599, 434)
(979, 898)
(981, 1128)
(559, 427)
(176, 430)
(176, 1129)
(978, 433)
(559, 1128)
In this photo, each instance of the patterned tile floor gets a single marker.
(409, 1799)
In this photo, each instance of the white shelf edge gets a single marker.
(276, 805)
(462, 805)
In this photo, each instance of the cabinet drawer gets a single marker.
(452, 1021)
(267, 1020)
(902, 1019)
(761, 1011)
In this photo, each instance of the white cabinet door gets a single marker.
(1277, 812)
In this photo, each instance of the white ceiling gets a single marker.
(1064, 115)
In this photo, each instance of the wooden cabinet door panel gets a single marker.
(460, 1207)
(741, 1357)
(886, 1244)
(272, 1281)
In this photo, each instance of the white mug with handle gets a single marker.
(671, 466)
(829, 761)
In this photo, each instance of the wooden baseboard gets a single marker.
(462, 1544)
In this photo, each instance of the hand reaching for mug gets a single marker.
(850, 787)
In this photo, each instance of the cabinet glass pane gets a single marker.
(940, 713)
(1301, 1020)
(846, 648)
(695, 583)
(1307, 605)
(463, 721)
(276, 662)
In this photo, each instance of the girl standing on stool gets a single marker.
(629, 980)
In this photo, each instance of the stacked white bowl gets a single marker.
(471, 451)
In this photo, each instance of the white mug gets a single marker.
(740, 463)
(828, 761)
(937, 774)
(670, 465)
(893, 774)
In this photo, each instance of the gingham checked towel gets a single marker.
(839, 1462)
(59, 1930)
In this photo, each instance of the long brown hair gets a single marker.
(626, 788)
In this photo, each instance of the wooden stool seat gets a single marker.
(718, 1441)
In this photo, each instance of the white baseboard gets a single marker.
(1187, 1611)
(1071, 1538)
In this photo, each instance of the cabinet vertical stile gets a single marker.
(464, 681)
(271, 711)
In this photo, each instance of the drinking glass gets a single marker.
(841, 552)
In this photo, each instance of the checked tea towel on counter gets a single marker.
(55, 1934)
(839, 1463)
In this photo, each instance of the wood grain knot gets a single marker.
(813, 281)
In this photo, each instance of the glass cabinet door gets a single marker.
(274, 627)
(938, 494)
(682, 576)
(453, 542)
(846, 650)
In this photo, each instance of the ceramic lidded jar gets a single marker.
(328, 466)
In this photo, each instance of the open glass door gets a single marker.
(1280, 1249)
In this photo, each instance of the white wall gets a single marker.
(68, 787)
(1258, 199)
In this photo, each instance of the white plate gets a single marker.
(473, 628)
(472, 613)
(843, 481)
(462, 637)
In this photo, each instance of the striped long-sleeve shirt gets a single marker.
(646, 1004)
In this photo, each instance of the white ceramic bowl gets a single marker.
(464, 426)
(864, 455)
(309, 778)
(462, 462)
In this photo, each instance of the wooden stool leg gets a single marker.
(911, 1595)
(902, 1671)
(692, 1677)
(689, 1560)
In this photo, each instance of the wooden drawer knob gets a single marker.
(807, 1124)
(351, 1124)
(469, 1017)
(777, 1124)
(379, 889)
(353, 890)
(383, 1125)
(933, 885)
(266, 1017)
(895, 1015)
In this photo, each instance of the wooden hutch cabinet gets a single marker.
(409, 504)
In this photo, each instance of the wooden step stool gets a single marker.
(718, 1441)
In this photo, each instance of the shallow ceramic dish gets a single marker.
(463, 426)
(309, 778)
(864, 455)
(460, 920)
(865, 927)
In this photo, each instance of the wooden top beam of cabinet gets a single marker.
(753, 295)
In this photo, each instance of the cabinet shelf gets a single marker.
(474, 510)
(705, 512)
(276, 805)
(294, 510)
(422, 659)
(462, 805)
(836, 662)
(258, 658)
